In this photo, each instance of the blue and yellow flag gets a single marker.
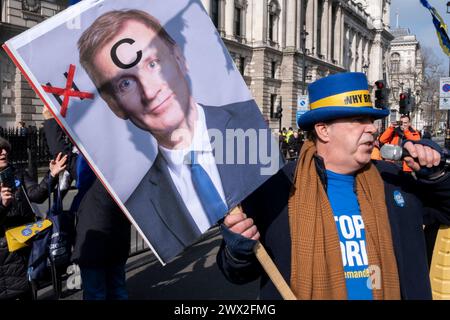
(441, 27)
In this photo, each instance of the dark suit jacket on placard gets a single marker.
(158, 208)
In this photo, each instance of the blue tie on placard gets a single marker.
(210, 199)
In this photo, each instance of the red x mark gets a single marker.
(68, 92)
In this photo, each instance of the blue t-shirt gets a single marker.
(352, 238)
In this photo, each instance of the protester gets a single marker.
(289, 134)
(301, 135)
(376, 153)
(22, 128)
(57, 142)
(426, 134)
(283, 142)
(15, 210)
(294, 145)
(102, 233)
(337, 225)
(398, 132)
(102, 245)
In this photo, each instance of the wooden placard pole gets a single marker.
(271, 269)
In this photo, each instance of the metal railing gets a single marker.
(137, 244)
(28, 147)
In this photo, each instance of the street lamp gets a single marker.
(303, 35)
(280, 112)
(448, 6)
(417, 100)
(365, 68)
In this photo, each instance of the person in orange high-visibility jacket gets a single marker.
(376, 154)
(397, 133)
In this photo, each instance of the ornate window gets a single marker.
(239, 18)
(215, 12)
(320, 16)
(239, 61)
(395, 62)
(273, 19)
(242, 65)
(237, 21)
(273, 99)
(273, 70)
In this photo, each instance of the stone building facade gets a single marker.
(406, 72)
(279, 46)
(18, 102)
(282, 45)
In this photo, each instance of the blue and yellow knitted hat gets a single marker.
(337, 96)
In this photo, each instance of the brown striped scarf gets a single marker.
(316, 266)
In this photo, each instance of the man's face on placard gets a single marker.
(145, 79)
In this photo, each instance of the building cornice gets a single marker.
(9, 30)
(387, 35)
(403, 44)
(268, 49)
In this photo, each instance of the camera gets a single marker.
(399, 123)
(7, 178)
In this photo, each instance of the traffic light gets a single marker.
(279, 112)
(406, 102)
(381, 95)
(412, 103)
(402, 102)
(409, 101)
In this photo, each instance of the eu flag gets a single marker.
(441, 27)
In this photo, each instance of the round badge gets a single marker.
(398, 197)
(26, 232)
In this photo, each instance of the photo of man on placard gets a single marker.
(141, 74)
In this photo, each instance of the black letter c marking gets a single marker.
(116, 60)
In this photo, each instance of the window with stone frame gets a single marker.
(395, 62)
(239, 25)
(273, 20)
(273, 69)
(215, 13)
(273, 100)
(237, 22)
(320, 16)
(242, 65)
(7, 72)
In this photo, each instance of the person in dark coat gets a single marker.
(102, 245)
(15, 210)
(336, 224)
(426, 134)
(295, 144)
(102, 235)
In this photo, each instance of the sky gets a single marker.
(412, 15)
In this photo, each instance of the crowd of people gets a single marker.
(16, 210)
(338, 221)
(101, 237)
(290, 142)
